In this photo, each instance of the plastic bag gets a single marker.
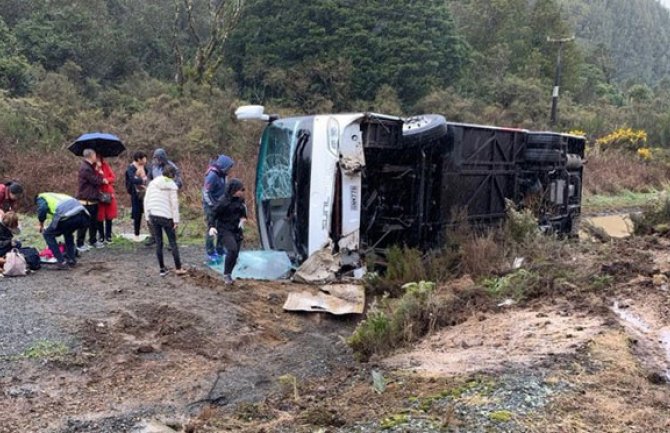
(15, 264)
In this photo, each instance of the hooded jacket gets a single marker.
(215, 181)
(229, 209)
(156, 168)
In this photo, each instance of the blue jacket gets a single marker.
(215, 181)
(159, 162)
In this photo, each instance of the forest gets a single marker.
(170, 73)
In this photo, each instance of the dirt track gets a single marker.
(112, 346)
(139, 345)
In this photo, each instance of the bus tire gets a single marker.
(423, 129)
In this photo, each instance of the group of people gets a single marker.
(154, 195)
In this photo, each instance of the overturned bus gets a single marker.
(358, 183)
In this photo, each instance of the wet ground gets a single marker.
(112, 347)
(100, 347)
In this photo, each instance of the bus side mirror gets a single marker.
(254, 112)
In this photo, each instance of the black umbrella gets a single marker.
(105, 145)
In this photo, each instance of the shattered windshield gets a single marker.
(276, 160)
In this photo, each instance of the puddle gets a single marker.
(631, 318)
(654, 346)
(616, 226)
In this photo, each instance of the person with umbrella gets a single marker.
(94, 187)
(107, 208)
(91, 179)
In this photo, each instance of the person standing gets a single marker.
(227, 220)
(68, 217)
(161, 204)
(158, 163)
(212, 190)
(136, 186)
(88, 194)
(107, 212)
(10, 193)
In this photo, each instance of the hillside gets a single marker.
(633, 35)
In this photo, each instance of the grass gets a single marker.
(46, 350)
(622, 200)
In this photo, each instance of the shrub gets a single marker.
(655, 217)
(423, 308)
(624, 138)
(521, 226)
(615, 171)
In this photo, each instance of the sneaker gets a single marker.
(62, 266)
(228, 280)
(150, 241)
(164, 272)
(181, 272)
(213, 259)
(83, 248)
(72, 263)
(108, 240)
(99, 245)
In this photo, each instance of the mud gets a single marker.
(508, 340)
(125, 349)
(139, 346)
(616, 226)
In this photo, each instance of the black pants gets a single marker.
(105, 230)
(137, 209)
(66, 228)
(160, 225)
(232, 241)
(92, 226)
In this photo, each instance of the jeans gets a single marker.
(233, 242)
(65, 228)
(92, 226)
(160, 224)
(209, 240)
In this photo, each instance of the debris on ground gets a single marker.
(338, 299)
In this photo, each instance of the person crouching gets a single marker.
(161, 207)
(227, 221)
(68, 216)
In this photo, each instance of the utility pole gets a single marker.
(557, 78)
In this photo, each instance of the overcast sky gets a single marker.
(666, 3)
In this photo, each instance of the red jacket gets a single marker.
(5, 203)
(108, 211)
(90, 181)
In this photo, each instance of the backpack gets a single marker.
(32, 257)
(15, 264)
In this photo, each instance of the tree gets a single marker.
(203, 62)
(409, 46)
(14, 69)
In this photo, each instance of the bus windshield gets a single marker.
(282, 172)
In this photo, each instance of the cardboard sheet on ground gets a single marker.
(336, 299)
(131, 237)
(260, 265)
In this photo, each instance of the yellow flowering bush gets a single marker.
(644, 153)
(577, 132)
(624, 138)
